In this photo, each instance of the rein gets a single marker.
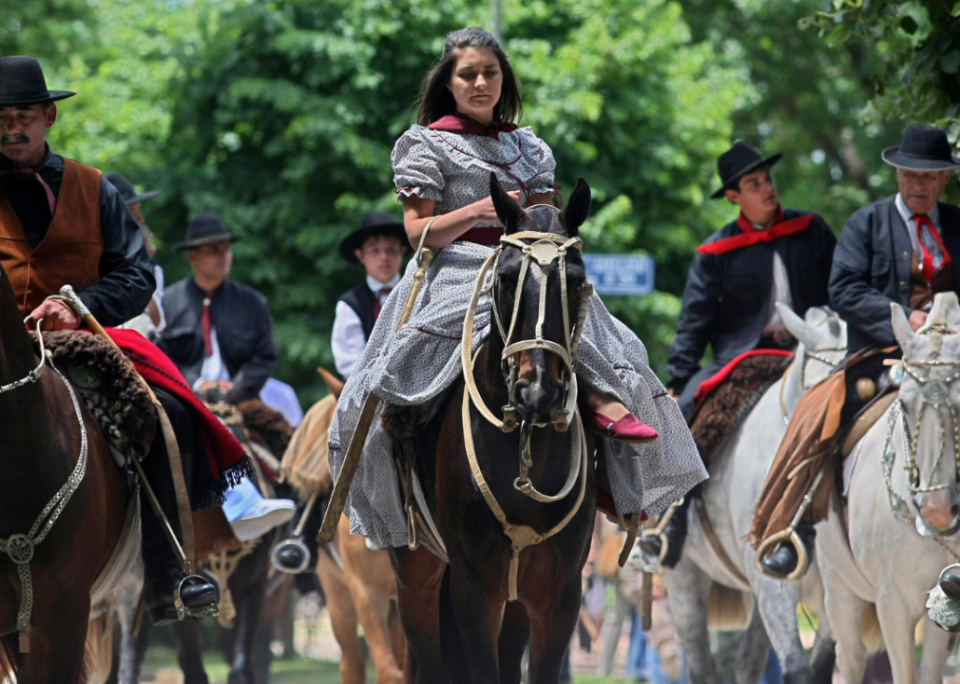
(538, 256)
(816, 355)
(20, 547)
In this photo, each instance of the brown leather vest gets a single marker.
(68, 254)
(921, 293)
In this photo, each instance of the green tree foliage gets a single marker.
(916, 44)
(280, 115)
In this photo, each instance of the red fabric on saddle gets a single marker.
(752, 236)
(707, 386)
(223, 450)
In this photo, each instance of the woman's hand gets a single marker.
(484, 210)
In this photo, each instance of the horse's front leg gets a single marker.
(478, 603)
(514, 637)
(777, 603)
(688, 589)
(937, 646)
(552, 621)
(753, 650)
(248, 620)
(188, 637)
(56, 650)
(419, 576)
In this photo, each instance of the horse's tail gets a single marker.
(10, 659)
(451, 643)
(98, 654)
(728, 609)
(870, 633)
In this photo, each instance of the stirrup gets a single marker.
(660, 533)
(803, 556)
(293, 542)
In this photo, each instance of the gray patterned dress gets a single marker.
(421, 360)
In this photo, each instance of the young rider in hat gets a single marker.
(898, 250)
(219, 330)
(133, 199)
(767, 255)
(62, 223)
(378, 245)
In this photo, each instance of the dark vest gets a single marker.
(68, 254)
(364, 302)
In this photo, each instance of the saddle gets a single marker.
(725, 400)
(109, 386)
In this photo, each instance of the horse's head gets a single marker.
(823, 341)
(929, 400)
(540, 294)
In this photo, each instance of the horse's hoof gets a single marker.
(950, 584)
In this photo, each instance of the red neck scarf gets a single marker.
(458, 123)
(752, 236)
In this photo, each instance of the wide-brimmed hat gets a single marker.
(22, 83)
(203, 230)
(924, 148)
(127, 192)
(376, 223)
(737, 162)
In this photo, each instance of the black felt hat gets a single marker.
(924, 148)
(737, 162)
(127, 192)
(203, 230)
(376, 223)
(22, 83)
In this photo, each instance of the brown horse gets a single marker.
(358, 582)
(480, 635)
(42, 440)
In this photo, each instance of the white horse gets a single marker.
(737, 474)
(902, 509)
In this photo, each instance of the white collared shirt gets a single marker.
(929, 241)
(347, 339)
(780, 291)
(213, 368)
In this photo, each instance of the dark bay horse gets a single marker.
(460, 621)
(41, 442)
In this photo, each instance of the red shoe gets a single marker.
(628, 429)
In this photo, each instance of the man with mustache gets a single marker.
(62, 222)
(767, 255)
(897, 250)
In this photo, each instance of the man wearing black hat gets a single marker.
(62, 223)
(379, 246)
(897, 250)
(219, 330)
(151, 321)
(767, 255)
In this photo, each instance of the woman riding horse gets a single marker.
(442, 169)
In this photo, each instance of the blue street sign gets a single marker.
(620, 274)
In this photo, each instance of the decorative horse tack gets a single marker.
(541, 254)
(20, 547)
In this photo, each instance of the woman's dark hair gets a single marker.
(437, 101)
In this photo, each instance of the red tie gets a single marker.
(381, 298)
(33, 173)
(924, 220)
(205, 324)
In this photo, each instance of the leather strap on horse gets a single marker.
(521, 536)
(714, 543)
(341, 488)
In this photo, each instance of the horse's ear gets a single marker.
(795, 325)
(508, 211)
(901, 326)
(577, 209)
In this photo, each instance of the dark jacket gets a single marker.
(126, 279)
(871, 269)
(726, 302)
(244, 328)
